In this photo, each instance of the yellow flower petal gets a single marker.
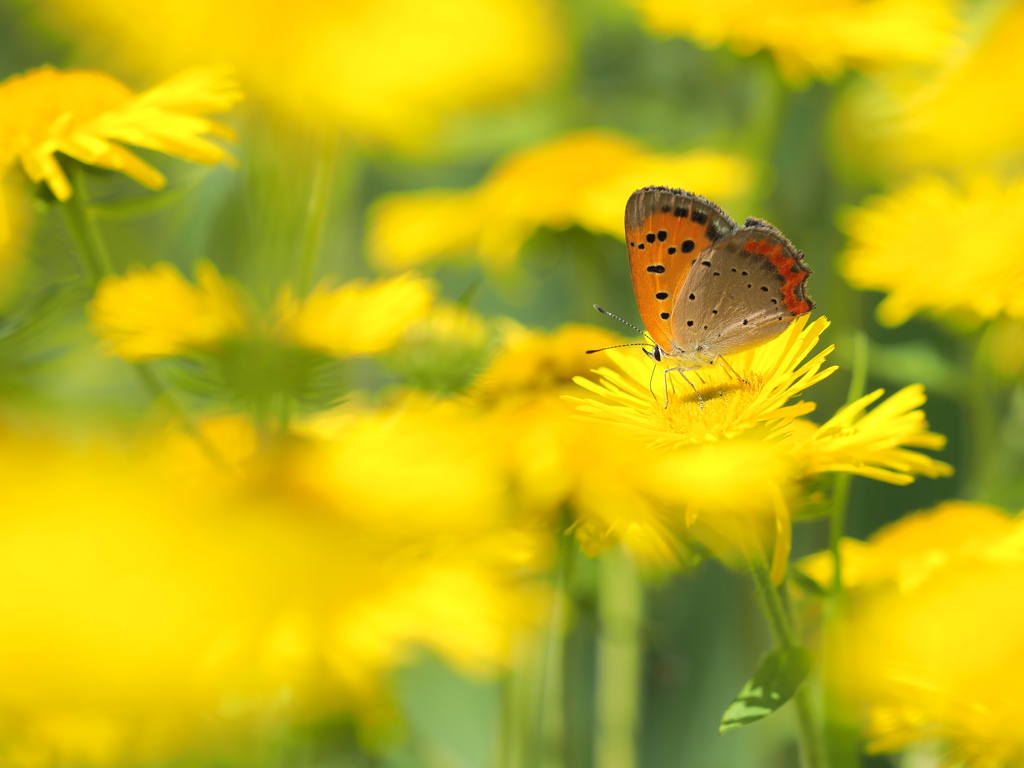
(874, 443)
(154, 313)
(906, 552)
(580, 179)
(770, 375)
(81, 114)
(815, 38)
(356, 319)
(924, 122)
(891, 247)
(430, 61)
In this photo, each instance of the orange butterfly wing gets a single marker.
(666, 230)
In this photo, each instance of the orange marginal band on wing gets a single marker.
(792, 272)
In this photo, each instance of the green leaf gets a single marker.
(778, 676)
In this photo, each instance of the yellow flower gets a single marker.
(875, 444)
(751, 414)
(537, 363)
(905, 553)
(815, 38)
(580, 179)
(154, 313)
(194, 602)
(770, 375)
(429, 61)
(893, 246)
(921, 122)
(90, 116)
(355, 319)
(935, 656)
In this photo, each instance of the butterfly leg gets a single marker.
(727, 364)
(682, 372)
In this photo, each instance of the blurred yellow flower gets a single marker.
(875, 444)
(390, 70)
(90, 116)
(154, 615)
(924, 122)
(905, 553)
(731, 496)
(355, 319)
(935, 656)
(580, 179)
(815, 38)
(771, 375)
(154, 313)
(536, 363)
(896, 247)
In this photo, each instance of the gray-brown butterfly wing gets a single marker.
(741, 292)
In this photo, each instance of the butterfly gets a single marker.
(706, 287)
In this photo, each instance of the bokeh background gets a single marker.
(490, 145)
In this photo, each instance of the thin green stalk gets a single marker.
(983, 419)
(550, 710)
(781, 626)
(316, 210)
(841, 488)
(841, 738)
(619, 661)
(78, 217)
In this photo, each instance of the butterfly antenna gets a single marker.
(616, 346)
(606, 312)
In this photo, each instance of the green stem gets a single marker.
(841, 488)
(80, 223)
(841, 736)
(619, 661)
(781, 626)
(550, 711)
(982, 424)
(316, 210)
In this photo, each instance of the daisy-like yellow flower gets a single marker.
(769, 376)
(815, 38)
(923, 122)
(91, 117)
(751, 404)
(905, 553)
(429, 61)
(357, 318)
(155, 313)
(579, 179)
(875, 444)
(935, 633)
(892, 246)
